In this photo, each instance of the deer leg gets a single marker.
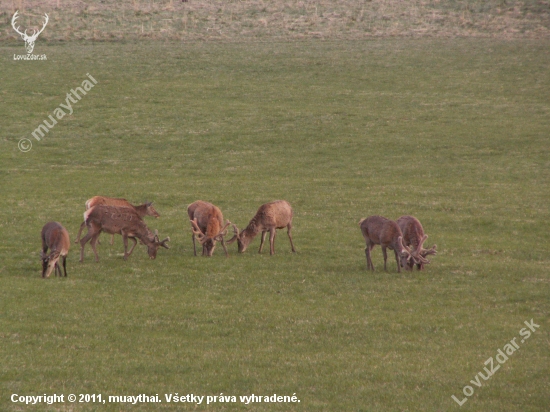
(371, 246)
(289, 226)
(125, 241)
(368, 250)
(112, 239)
(397, 260)
(64, 266)
(194, 248)
(385, 256)
(83, 242)
(132, 249)
(272, 233)
(262, 240)
(79, 232)
(94, 243)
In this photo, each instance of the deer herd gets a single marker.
(405, 236)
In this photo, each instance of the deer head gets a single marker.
(29, 40)
(48, 262)
(209, 243)
(408, 258)
(153, 247)
(241, 237)
(151, 211)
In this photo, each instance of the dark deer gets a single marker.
(56, 238)
(207, 225)
(143, 210)
(413, 235)
(378, 230)
(271, 216)
(122, 220)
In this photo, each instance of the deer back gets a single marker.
(118, 219)
(277, 214)
(209, 217)
(371, 228)
(413, 232)
(106, 201)
(56, 237)
(381, 231)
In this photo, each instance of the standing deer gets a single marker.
(145, 209)
(270, 216)
(29, 40)
(378, 230)
(124, 221)
(56, 238)
(207, 224)
(413, 235)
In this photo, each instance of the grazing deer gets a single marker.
(378, 230)
(56, 238)
(271, 216)
(145, 209)
(207, 224)
(124, 221)
(413, 235)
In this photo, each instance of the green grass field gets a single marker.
(455, 132)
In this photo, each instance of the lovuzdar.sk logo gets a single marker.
(29, 39)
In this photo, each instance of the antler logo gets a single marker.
(29, 40)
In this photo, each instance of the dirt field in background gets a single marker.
(232, 20)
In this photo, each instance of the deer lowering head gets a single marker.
(207, 226)
(29, 40)
(209, 242)
(56, 238)
(145, 209)
(377, 230)
(268, 218)
(413, 236)
(124, 221)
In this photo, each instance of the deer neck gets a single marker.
(252, 229)
(141, 210)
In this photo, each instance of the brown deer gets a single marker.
(122, 220)
(413, 235)
(145, 209)
(56, 238)
(270, 216)
(378, 230)
(207, 225)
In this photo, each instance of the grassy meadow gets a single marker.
(455, 132)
